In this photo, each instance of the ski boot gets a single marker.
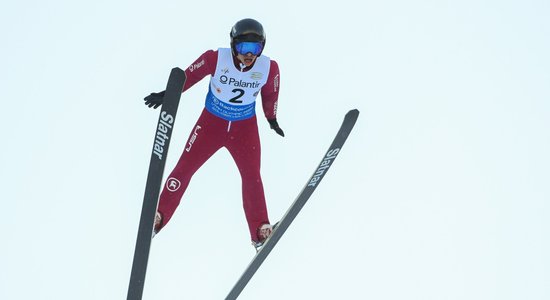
(157, 224)
(264, 232)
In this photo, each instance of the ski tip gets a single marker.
(354, 113)
(177, 79)
(177, 73)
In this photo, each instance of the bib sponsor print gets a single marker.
(232, 93)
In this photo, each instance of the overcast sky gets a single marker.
(441, 191)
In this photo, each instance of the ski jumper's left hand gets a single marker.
(275, 126)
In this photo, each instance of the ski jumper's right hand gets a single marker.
(154, 100)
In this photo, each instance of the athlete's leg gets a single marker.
(244, 146)
(204, 140)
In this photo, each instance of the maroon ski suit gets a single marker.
(239, 137)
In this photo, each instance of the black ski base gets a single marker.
(161, 143)
(313, 182)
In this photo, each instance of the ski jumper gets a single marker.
(228, 120)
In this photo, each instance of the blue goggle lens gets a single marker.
(249, 47)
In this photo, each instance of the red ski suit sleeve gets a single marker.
(206, 65)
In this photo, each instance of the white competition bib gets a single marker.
(232, 93)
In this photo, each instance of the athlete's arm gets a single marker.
(270, 97)
(270, 92)
(203, 66)
(200, 68)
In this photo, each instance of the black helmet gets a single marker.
(247, 30)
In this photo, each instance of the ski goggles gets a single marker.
(249, 47)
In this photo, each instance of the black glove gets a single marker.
(275, 126)
(154, 100)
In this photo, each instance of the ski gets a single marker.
(292, 212)
(163, 133)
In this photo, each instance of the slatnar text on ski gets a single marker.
(325, 164)
(165, 125)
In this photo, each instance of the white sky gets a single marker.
(440, 193)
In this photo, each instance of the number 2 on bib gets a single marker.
(240, 93)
